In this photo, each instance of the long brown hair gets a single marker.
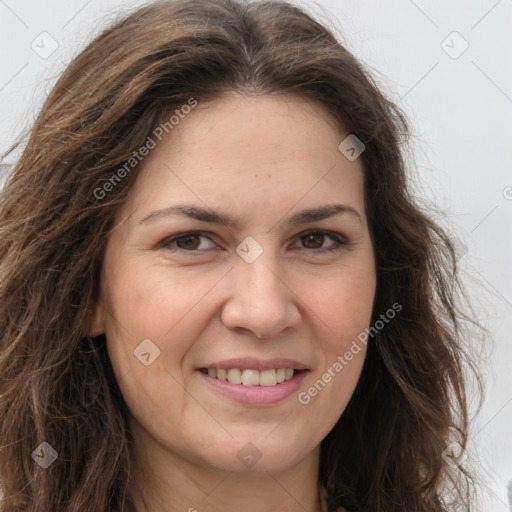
(57, 386)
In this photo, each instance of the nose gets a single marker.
(260, 299)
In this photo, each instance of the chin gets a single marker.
(259, 456)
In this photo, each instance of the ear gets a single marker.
(97, 324)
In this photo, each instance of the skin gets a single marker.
(260, 160)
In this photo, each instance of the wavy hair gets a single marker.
(57, 384)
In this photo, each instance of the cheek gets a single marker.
(152, 301)
(341, 302)
(341, 308)
(156, 303)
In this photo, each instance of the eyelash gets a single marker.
(339, 241)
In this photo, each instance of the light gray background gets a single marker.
(461, 112)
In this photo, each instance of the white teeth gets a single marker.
(235, 376)
(268, 378)
(252, 377)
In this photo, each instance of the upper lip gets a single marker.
(253, 363)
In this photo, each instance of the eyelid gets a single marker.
(167, 241)
(339, 239)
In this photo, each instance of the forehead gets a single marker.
(249, 150)
(269, 128)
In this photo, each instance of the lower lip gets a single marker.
(256, 395)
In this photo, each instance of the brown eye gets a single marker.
(191, 242)
(313, 241)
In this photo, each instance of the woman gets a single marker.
(217, 291)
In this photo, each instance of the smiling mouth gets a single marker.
(249, 377)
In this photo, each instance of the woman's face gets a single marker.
(249, 180)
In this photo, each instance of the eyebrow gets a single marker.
(223, 219)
